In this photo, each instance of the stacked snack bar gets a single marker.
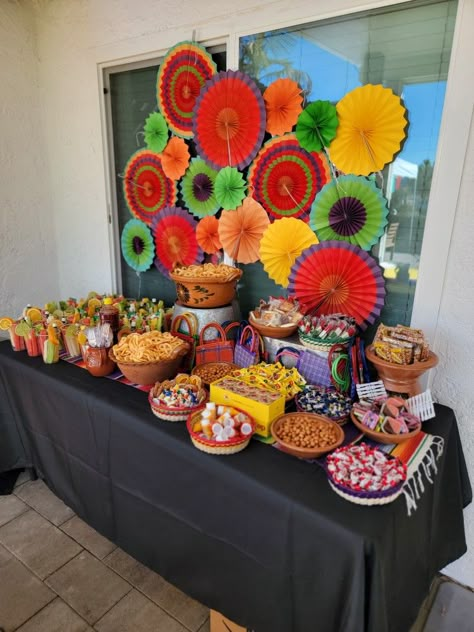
(401, 344)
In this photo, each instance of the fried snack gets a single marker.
(152, 346)
(212, 371)
(305, 432)
(220, 272)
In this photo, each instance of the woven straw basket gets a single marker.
(212, 447)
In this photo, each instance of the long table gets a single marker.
(259, 535)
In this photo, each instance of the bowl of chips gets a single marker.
(206, 285)
(150, 357)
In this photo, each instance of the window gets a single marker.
(132, 93)
(406, 48)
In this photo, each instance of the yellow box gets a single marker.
(263, 413)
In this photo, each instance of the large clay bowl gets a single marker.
(205, 291)
(401, 378)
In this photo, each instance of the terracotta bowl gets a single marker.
(384, 437)
(205, 291)
(273, 332)
(306, 453)
(401, 378)
(149, 372)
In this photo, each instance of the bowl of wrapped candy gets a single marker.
(276, 318)
(365, 475)
(220, 429)
(320, 333)
(324, 401)
(175, 400)
(385, 419)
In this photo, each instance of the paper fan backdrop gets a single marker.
(281, 244)
(197, 188)
(146, 188)
(240, 231)
(207, 235)
(316, 126)
(156, 132)
(229, 188)
(174, 231)
(183, 72)
(229, 120)
(138, 249)
(371, 129)
(352, 209)
(337, 277)
(175, 158)
(285, 178)
(283, 100)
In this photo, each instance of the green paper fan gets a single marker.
(229, 188)
(350, 209)
(317, 125)
(138, 248)
(197, 188)
(156, 132)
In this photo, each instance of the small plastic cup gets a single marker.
(32, 344)
(18, 342)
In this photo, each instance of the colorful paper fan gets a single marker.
(138, 249)
(197, 188)
(174, 230)
(285, 178)
(281, 244)
(183, 72)
(207, 235)
(337, 277)
(352, 209)
(316, 126)
(240, 231)
(229, 188)
(229, 120)
(283, 105)
(371, 129)
(175, 158)
(146, 188)
(156, 132)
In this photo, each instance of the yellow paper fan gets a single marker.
(281, 244)
(371, 129)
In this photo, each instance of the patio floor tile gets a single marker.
(56, 617)
(11, 507)
(38, 496)
(87, 537)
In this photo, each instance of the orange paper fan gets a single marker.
(207, 234)
(175, 158)
(283, 105)
(240, 231)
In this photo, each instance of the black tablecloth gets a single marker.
(259, 535)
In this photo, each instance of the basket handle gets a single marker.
(248, 333)
(229, 327)
(217, 327)
(290, 351)
(183, 318)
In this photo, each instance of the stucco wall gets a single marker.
(453, 384)
(28, 264)
(73, 37)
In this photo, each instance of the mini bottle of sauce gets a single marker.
(110, 314)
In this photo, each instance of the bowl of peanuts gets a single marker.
(212, 371)
(149, 357)
(306, 435)
(206, 285)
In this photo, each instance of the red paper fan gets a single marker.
(183, 72)
(229, 120)
(174, 231)
(146, 188)
(285, 178)
(207, 234)
(337, 277)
